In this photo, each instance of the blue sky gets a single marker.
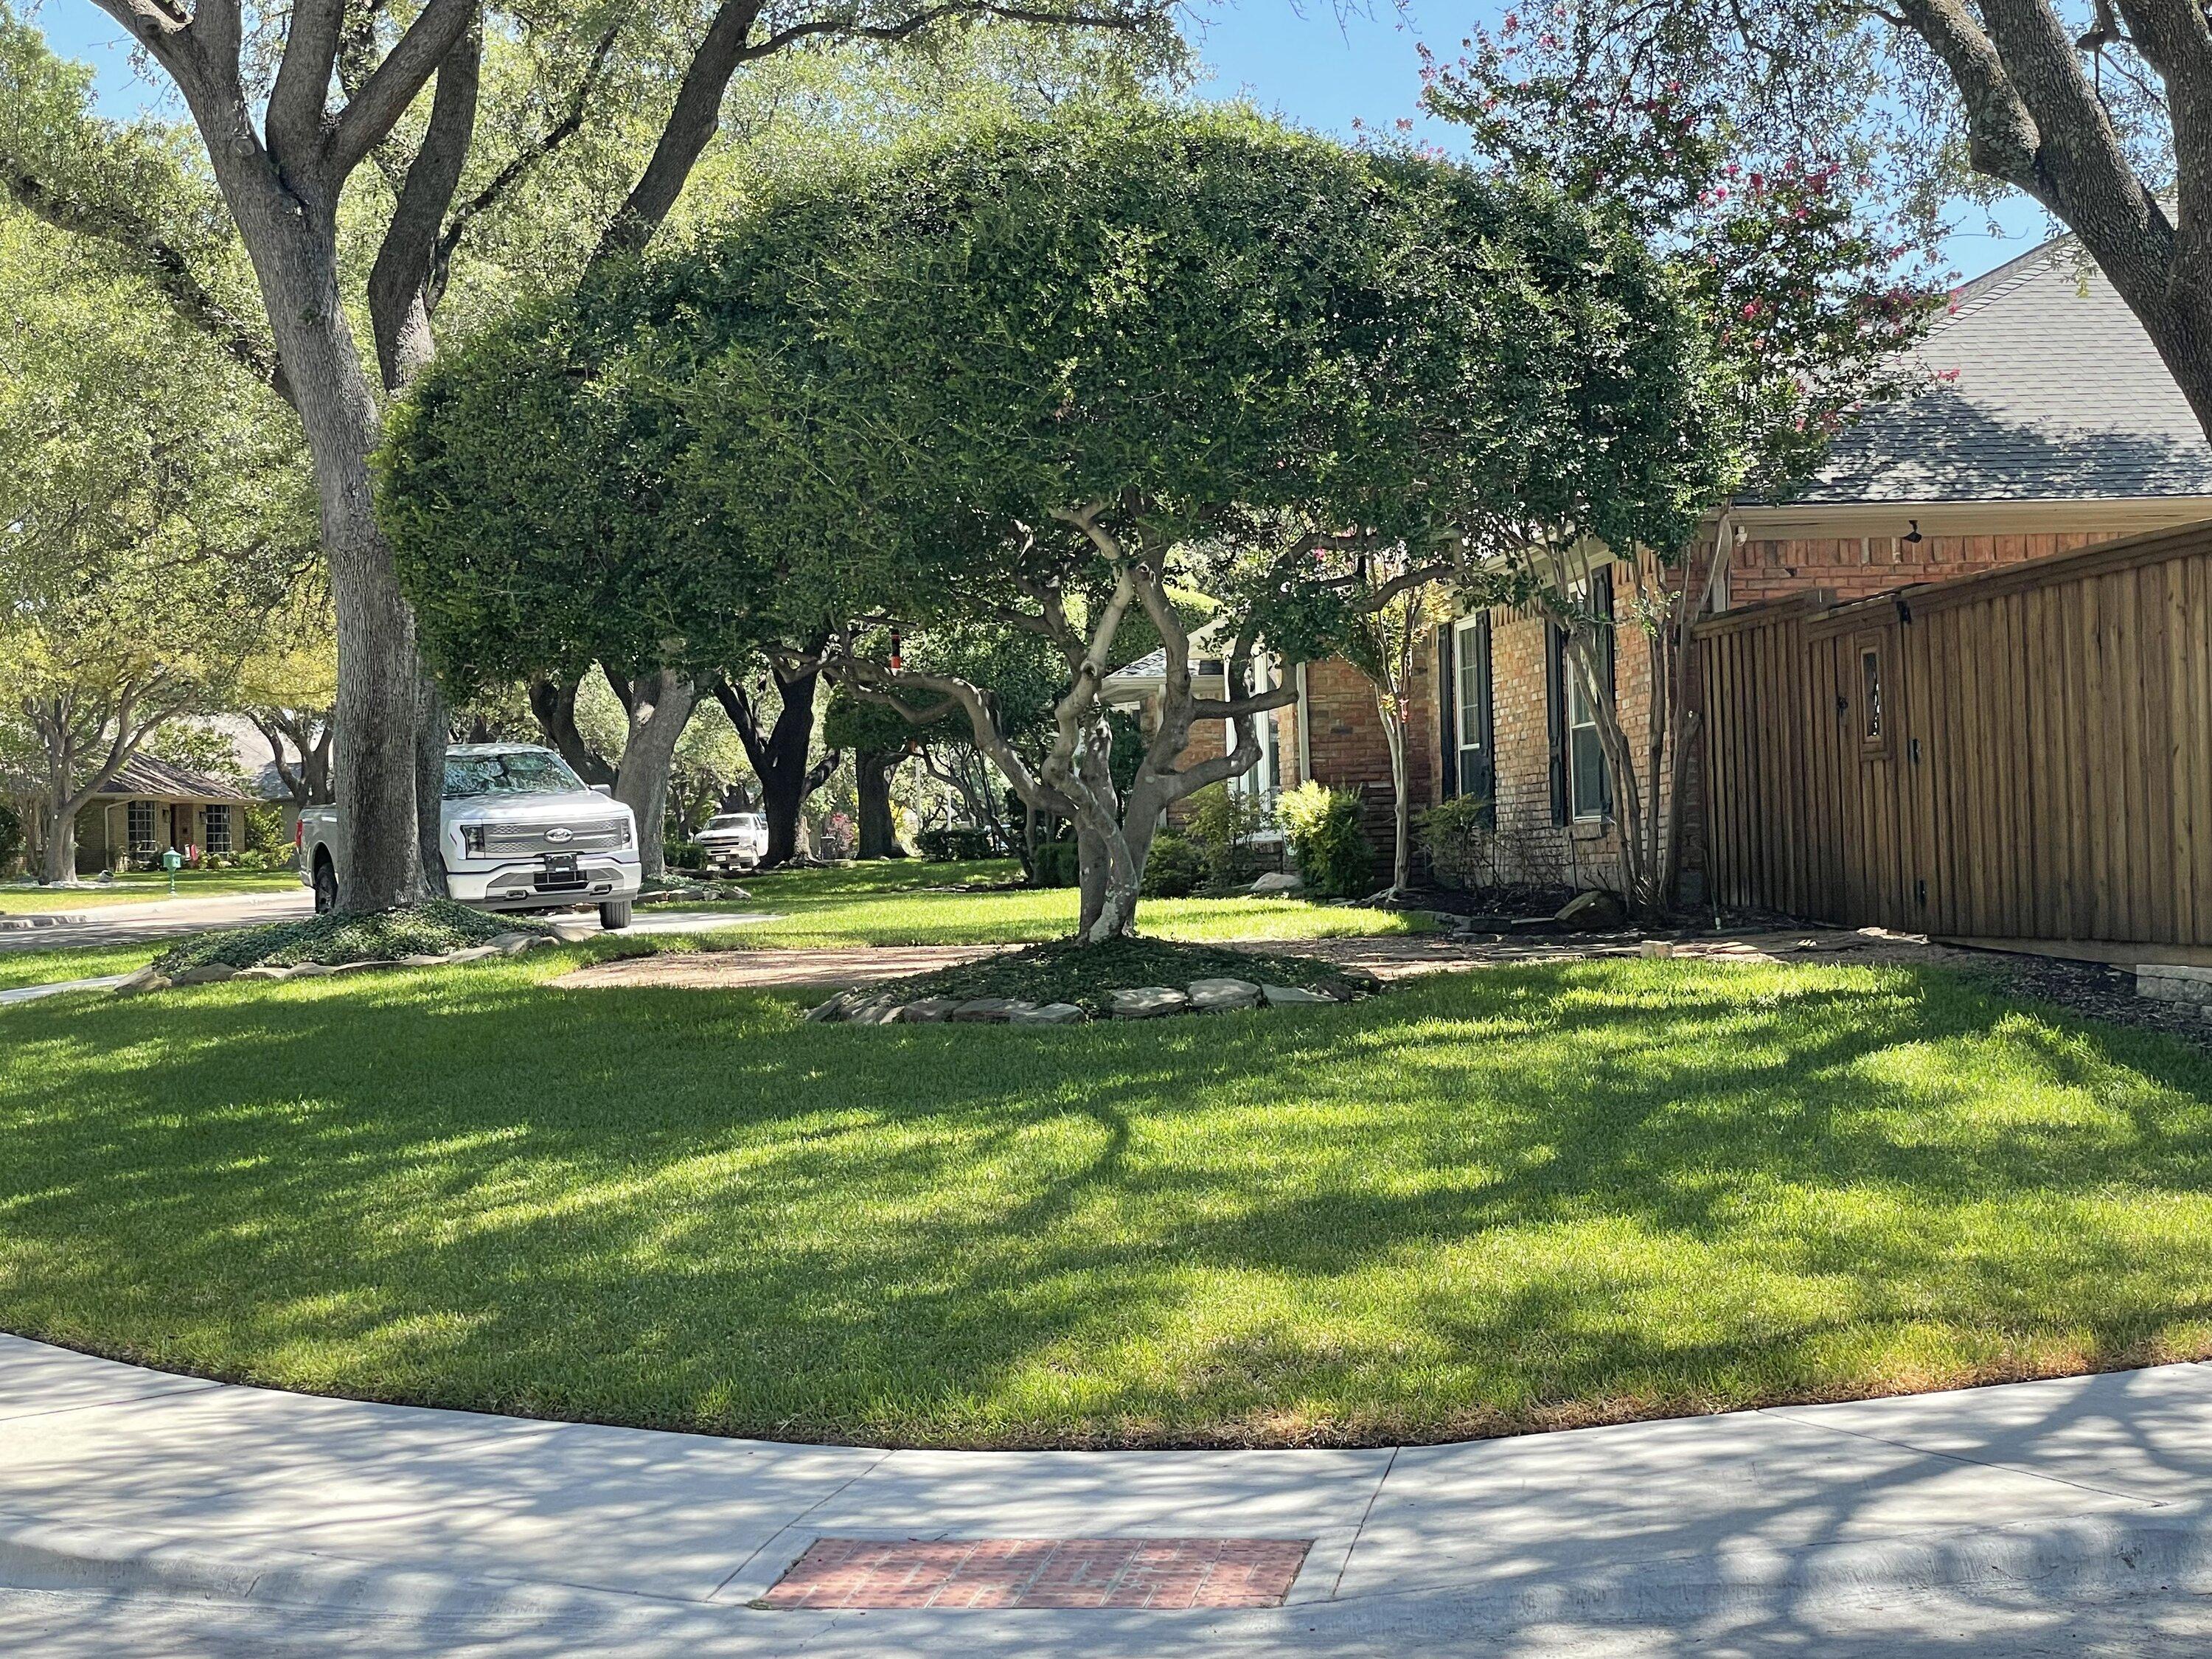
(1307, 62)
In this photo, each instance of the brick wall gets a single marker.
(1860, 567)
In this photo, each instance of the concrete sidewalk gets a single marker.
(133, 924)
(145, 1513)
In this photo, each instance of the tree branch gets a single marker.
(297, 103)
(371, 114)
(405, 282)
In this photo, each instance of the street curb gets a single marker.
(38, 1555)
(44, 919)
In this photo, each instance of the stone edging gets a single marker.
(875, 1007)
(217, 973)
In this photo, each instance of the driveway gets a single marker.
(132, 924)
(147, 1513)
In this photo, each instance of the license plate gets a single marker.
(560, 866)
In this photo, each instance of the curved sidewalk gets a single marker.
(146, 1512)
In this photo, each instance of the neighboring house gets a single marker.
(151, 806)
(2053, 425)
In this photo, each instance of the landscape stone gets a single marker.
(1290, 996)
(1280, 881)
(1052, 1013)
(421, 959)
(1595, 912)
(143, 981)
(573, 932)
(308, 971)
(930, 1011)
(831, 1010)
(1655, 947)
(209, 973)
(1149, 1002)
(542, 941)
(984, 1009)
(474, 953)
(880, 1012)
(264, 972)
(1527, 925)
(1214, 996)
(364, 967)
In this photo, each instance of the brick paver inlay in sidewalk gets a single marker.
(1041, 1572)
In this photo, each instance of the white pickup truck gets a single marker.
(518, 831)
(734, 841)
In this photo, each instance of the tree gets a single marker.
(1049, 375)
(288, 688)
(1806, 319)
(150, 520)
(1384, 643)
(285, 158)
(2096, 112)
(880, 740)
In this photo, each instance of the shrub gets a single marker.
(684, 855)
(1460, 836)
(955, 845)
(1222, 826)
(1059, 863)
(1327, 839)
(1174, 869)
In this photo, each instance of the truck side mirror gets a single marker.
(602, 789)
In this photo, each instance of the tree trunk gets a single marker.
(660, 705)
(1401, 851)
(59, 827)
(430, 780)
(871, 777)
(554, 704)
(779, 759)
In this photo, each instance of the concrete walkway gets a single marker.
(145, 1513)
(134, 924)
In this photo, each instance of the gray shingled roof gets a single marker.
(144, 776)
(2059, 396)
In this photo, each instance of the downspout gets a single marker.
(1305, 729)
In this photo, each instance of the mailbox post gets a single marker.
(173, 861)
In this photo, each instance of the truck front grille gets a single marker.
(530, 839)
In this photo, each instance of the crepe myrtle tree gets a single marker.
(1055, 375)
(1807, 301)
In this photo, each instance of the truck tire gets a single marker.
(326, 885)
(614, 916)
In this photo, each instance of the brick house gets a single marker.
(2060, 427)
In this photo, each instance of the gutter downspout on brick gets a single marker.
(1305, 729)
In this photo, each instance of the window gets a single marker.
(1869, 694)
(509, 772)
(1586, 782)
(1581, 790)
(139, 823)
(1471, 706)
(1264, 779)
(218, 829)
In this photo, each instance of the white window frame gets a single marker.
(1468, 714)
(1581, 721)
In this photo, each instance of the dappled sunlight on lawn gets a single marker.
(1482, 1201)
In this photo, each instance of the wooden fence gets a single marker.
(2023, 753)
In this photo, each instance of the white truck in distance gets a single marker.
(734, 841)
(518, 830)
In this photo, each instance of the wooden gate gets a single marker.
(2023, 753)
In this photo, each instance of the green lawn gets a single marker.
(44, 967)
(1513, 1199)
(145, 889)
(886, 904)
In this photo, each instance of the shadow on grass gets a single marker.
(1484, 1202)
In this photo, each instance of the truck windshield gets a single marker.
(524, 772)
(736, 821)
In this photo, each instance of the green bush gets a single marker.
(1458, 837)
(956, 845)
(1223, 827)
(1174, 869)
(1058, 865)
(1327, 839)
(684, 855)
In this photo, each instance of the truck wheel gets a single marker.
(326, 886)
(614, 916)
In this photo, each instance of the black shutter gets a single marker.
(1447, 717)
(1555, 715)
(1489, 723)
(1602, 602)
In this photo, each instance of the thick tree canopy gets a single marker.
(1055, 373)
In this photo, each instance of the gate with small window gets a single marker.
(2023, 753)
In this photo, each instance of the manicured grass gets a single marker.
(32, 967)
(145, 889)
(889, 904)
(1482, 1202)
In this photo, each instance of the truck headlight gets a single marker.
(472, 839)
(628, 832)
